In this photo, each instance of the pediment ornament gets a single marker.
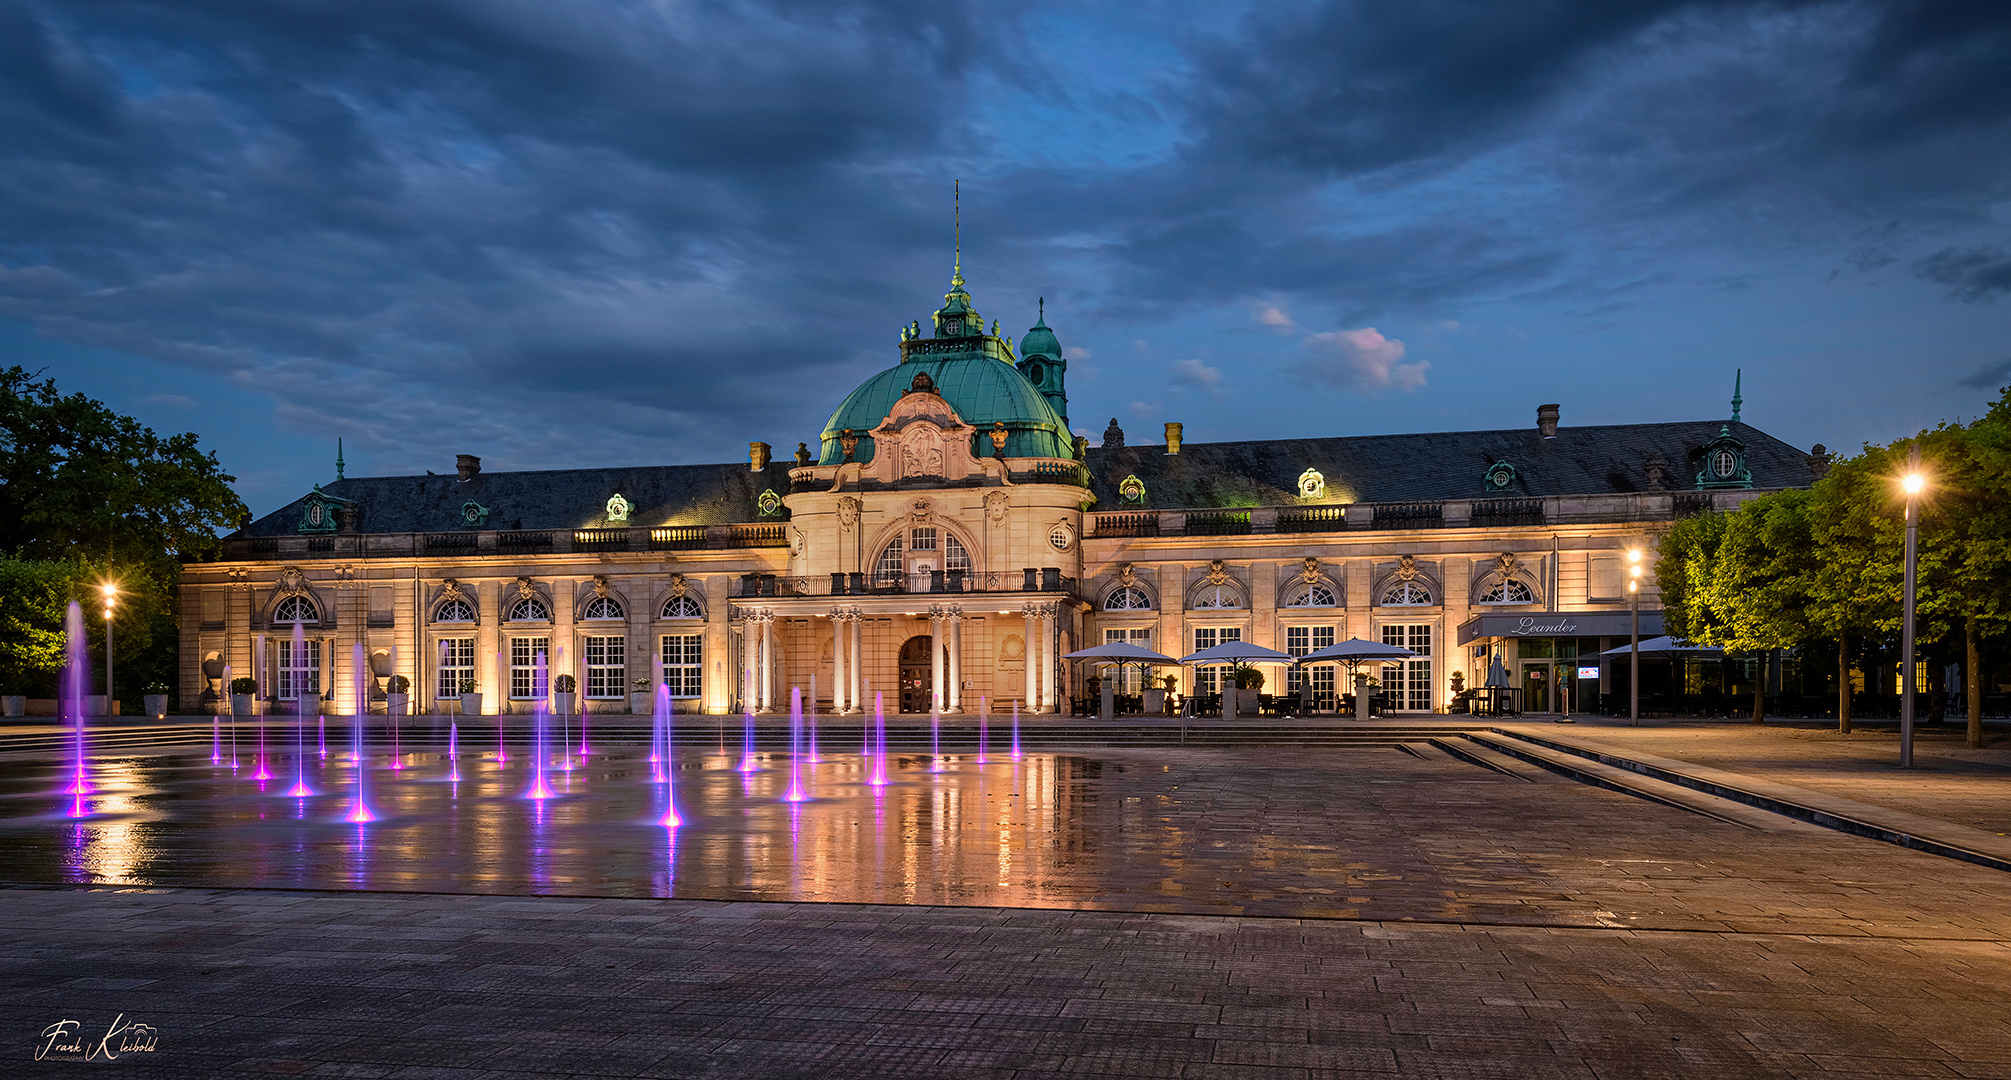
(1217, 573)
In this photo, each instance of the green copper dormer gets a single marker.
(957, 318)
(1042, 363)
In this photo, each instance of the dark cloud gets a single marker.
(1973, 275)
(1989, 377)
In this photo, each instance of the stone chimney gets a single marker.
(1113, 436)
(1546, 420)
(1172, 437)
(345, 517)
(468, 465)
(1818, 460)
(757, 455)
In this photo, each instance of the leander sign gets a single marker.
(1558, 624)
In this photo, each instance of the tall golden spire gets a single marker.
(957, 204)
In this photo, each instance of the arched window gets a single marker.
(1316, 594)
(1217, 598)
(531, 609)
(954, 555)
(456, 610)
(1127, 598)
(603, 607)
(890, 567)
(683, 607)
(1509, 591)
(1407, 594)
(296, 609)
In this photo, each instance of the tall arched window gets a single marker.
(455, 610)
(1509, 591)
(1127, 598)
(891, 566)
(683, 607)
(1407, 594)
(603, 607)
(954, 555)
(531, 609)
(1316, 594)
(296, 609)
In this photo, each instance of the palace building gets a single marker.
(948, 539)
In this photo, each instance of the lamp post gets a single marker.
(1911, 483)
(111, 596)
(1634, 648)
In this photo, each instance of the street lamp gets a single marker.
(1634, 649)
(1912, 483)
(111, 592)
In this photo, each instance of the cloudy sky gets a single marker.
(587, 233)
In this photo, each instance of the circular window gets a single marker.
(1060, 538)
(1726, 463)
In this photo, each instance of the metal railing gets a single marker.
(1408, 515)
(1306, 519)
(522, 541)
(1129, 524)
(1499, 512)
(450, 541)
(932, 583)
(1218, 522)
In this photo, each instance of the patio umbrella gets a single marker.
(1237, 652)
(1668, 648)
(1354, 650)
(1120, 653)
(1497, 674)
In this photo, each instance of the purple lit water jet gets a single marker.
(231, 697)
(539, 789)
(1015, 731)
(75, 677)
(359, 810)
(879, 740)
(453, 752)
(299, 790)
(984, 727)
(321, 734)
(670, 818)
(390, 714)
(796, 792)
(812, 716)
(935, 740)
(747, 763)
(215, 739)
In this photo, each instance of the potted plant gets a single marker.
(562, 694)
(397, 695)
(243, 696)
(1245, 683)
(157, 700)
(1156, 694)
(638, 699)
(471, 702)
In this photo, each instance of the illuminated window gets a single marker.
(531, 609)
(1407, 683)
(457, 662)
(683, 607)
(1208, 678)
(1406, 594)
(1127, 598)
(1217, 598)
(1317, 594)
(607, 669)
(684, 664)
(296, 609)
(891, 569)
(1300, 640)
(454, 611)
(530, 673)
(299, 670)
(954, 555)
(1510, 591)
(603, 607)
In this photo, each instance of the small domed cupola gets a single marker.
(1042, 364)
(957, 318)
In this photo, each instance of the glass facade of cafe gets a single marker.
(1552, 660)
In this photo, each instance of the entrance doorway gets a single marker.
(1536, 687)
(918, 676)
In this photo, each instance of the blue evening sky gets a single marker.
(596, 233)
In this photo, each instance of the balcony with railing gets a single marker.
(929, 583)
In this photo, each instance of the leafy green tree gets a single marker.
(34, 595)
(85, 486)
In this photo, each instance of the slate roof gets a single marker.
(1432, 466)
(1363, 468)
(555, 499)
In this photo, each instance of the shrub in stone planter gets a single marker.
(397, 694)
(242, 701)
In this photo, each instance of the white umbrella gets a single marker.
(1237, 652)
(1667, 648)
(1121, 652)
(1354, 650)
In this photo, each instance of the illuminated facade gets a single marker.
(949, 539)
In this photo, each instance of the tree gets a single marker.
(34, 596)
(84, 486)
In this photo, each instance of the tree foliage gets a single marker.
(89, 496)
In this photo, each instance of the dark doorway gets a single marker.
(918, 682)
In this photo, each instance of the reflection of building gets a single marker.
(949, 539)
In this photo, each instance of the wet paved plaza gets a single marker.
(1246, 912)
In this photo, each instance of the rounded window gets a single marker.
(603, 607)
(531, 609)
(1510, 591)
(1217, 598)
(1317, 594)
(683, 607)
(454, 611)
(1127, 598)
(296, 609)
(1407, 594)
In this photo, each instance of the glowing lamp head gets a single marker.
(1912, 483)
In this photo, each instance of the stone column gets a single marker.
(743, 641)
(838, 644)
(937, 698)
(956, 659)
(1050, 640)
(766, 691)
(858, 661)
(1032, 653)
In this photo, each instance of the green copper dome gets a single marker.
(980, 388)
(1040, 339)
